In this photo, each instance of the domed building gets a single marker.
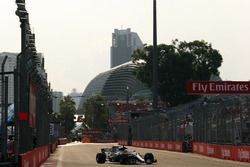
(117, 84)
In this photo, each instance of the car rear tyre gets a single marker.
(149, 158)
(100, 158)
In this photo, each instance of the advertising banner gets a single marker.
(218, 87)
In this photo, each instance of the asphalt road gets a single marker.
(83, 155)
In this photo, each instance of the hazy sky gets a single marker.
(75, 35)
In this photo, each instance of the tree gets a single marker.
(178, 63)
(96, 113)
(67, 112)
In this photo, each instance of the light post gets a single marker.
(155, 58)
(127, 97)
(129, 140)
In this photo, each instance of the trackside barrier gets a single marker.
(236, 153)
(170, 146)
(35, 157)
(53, 147)
(123, 142)
(62, 141)
(86, 140)
(106, 141)
(96, 140)
(243, 153)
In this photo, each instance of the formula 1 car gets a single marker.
(123, 156)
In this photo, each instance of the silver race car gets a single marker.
(123, 156)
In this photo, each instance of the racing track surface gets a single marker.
(83, 155)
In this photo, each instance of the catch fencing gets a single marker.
(221, 119)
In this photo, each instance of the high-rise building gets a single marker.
(56, 99)
(76, 97)
(9, 66)
(124, 42)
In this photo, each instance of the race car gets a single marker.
(123, 156)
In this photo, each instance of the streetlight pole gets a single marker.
(127, 96)
(155, 58)
(129, 139)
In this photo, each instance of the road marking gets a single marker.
(60, 158)
(50, 163)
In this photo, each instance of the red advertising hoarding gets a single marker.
(218, 87)
(118, 121)
(118, 118)
(91, 132)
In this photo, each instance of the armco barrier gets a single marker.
(53, 147)
(106, 141)
(243, 153)
(35, 157)
(213, 150)
(236, 153)
(62, 141)
(123, 142)
(170, 146)
(86, 140)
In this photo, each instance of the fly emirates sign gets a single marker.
(218, 87)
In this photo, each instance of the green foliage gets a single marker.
(178, 63)
(96, 113)
(67, 112)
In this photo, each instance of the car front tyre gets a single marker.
(100, 158)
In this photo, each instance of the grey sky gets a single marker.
(75, 35)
